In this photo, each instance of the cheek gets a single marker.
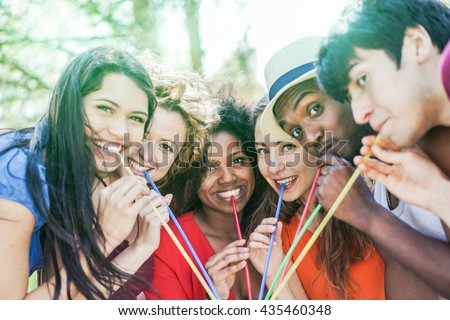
(293, 160)
(250, 177)
(136, 134)
(206, 183)
(87, 131)
(262, 168)
(170, 160)
(166, 164)
(202, 194)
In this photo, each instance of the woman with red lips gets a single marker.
(342, 264)
(60, 185)
(226, 170)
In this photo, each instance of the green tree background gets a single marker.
(39, 37)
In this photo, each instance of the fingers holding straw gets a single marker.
(322, 225)
(183, 252)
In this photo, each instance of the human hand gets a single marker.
(149, 222)
(118, 207)
(407, 173)
(259, 245)
(357, 205)
(223, 266)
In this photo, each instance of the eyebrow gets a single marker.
(263, 144)
(300, 98)
(353, 63)
(117, 106)
(107, 100)
(237, 152)
(282, 123)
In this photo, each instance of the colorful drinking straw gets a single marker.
(188, 243)
(238, 229)
(183, 252)
(291, 250)
(322, 225)
(272, 237)
(304, 214)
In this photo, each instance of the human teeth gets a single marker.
(136, 166)
(99, 143)
(113, 149)
(110, 147)
(228, 194)
(287, 180)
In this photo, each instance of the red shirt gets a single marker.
(366, 276)
(173, 278)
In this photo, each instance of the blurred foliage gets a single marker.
(39, 37)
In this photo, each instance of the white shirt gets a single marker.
(422, 220)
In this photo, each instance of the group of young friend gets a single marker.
(70, 208)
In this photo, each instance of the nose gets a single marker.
(362, 109)
(227, 175)
(313, 133)
(276, 164)
(149, 153)
(118, 128)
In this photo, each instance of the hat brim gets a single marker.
(269, 124)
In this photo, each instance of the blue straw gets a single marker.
(269, 252)
(174, 219)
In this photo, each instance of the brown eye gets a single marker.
(297, 133)
(166, 147)
(315, 110)
(361, 81)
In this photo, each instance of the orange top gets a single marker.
(366, 276)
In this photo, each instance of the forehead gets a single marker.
(223, 144)
(166, 125)
(364, 57)
(298, 96)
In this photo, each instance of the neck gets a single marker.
(445, 112)
(217, 224)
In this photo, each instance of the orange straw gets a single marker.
(238, 228)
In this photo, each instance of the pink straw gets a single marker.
(303, 218)
(238, 228)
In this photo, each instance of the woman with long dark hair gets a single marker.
(63, 207)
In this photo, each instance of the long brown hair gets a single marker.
(340, 245)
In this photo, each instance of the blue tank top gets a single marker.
(13, 187)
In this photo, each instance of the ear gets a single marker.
(417, 44)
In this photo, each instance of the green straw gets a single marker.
(291, 250)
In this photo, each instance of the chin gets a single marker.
(100, 168)
(288, 197)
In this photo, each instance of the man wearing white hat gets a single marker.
(298, 108)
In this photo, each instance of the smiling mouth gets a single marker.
(226, 195)
(136, 166)
(107, 148)
(287, 181)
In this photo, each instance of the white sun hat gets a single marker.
(291, 65)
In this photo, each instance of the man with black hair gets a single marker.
(386, 64)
